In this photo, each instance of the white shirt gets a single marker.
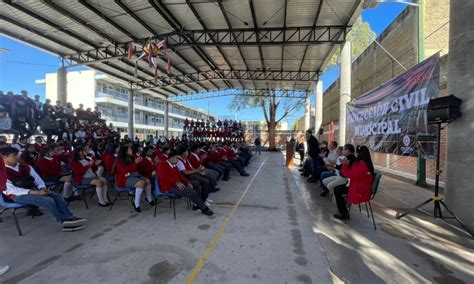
(338, 163)
(12, 189)
(80, 134)
(180, 166)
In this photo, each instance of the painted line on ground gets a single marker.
(210, 248)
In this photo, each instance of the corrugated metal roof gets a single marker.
(67, 27)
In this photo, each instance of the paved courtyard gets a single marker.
(270, 227)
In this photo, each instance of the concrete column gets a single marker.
(167, 109)
(345, 88)
(131, 115)
(62, 85)
(318, 106)
(459, 190)
(307, 114)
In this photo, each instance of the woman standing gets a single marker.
(359, 170)
(81, 169)
(127, 176)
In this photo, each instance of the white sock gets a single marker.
(100, 196)
(104, 194)
(148, 193)
(67, 190)
(138, 195)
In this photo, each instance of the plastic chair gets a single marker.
(375, 187)
(119, 191)
(12, 206)
(82, 188)
(172, 197)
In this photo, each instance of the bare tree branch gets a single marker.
(290, 109)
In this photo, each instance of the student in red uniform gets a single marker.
(127, 176)
(214, 160)
(360, 172)
(147, 166)
(25, 186)
(196, 162)
(108, 159)
(29, 155)
(49, 167)
(82, 171)
(39, 144)
(171, 180)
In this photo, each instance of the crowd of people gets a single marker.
(24, 117)
(200, 130)
(185, 168)
(345, 171)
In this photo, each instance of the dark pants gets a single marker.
(339, 191)
(188, 192)
(238, 165)
(218, 168)
(301, 157)
(203, 184)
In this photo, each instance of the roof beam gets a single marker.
(286, 93)
(201, 21)
(174, 23)
(284, 34)
(255, 28)
(124, 52)
(229, 25)
(318, 12)
(253, 75)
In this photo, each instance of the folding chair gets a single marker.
(118, 193)
(82, 188)
(172, 197)
(375, 186)
(13, 206)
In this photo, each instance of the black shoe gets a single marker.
(216, 189)
(137, 209)
(301, 170)
(34, 212)
(195, 207)
(305, 174)
(324, 193)
(225, 179)
(342, 216)
(107, 204)
(152, 203)
(244, 175)
(207, 211)
(73, 222)
(311, 180)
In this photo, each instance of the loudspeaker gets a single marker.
(444, 109)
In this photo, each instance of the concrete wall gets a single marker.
(80, 86)
(460, 158)
(374, 67)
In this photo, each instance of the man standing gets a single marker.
(313, 153)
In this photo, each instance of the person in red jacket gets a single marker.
(108, 159)
(49, 168)
(81, 169)
(147, 166)
(171, 180)
(127, 176)
(360, 172)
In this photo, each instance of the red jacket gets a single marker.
(108, 161)
(169, 175)
(49, 168)
(121, 171)
(230, 153)
(195, 161)
(146, 167)
(360, 187)
(78, 170)
(3, 175)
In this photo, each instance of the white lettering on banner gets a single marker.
(393, 106)
(380, 128)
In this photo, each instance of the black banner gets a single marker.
(393, 117)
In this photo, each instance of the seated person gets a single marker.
(49, 167)
(147, 166)
(25, 186)
(29, 155)
(321, 167)
(82, 171)
(196, 162)
(360, 172)
(6, 122)
(171, 180)
(333, 164)
(127, 176)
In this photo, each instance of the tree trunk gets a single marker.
(271, 136)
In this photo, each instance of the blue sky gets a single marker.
(23, 65)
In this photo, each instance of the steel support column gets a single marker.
(167, 110)
(131, 114)
(345, 88)
(62, 85)
(307, 114)
(318, 106)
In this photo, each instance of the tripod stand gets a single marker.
(438, 200)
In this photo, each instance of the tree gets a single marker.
(361, 36)
(270, 103)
